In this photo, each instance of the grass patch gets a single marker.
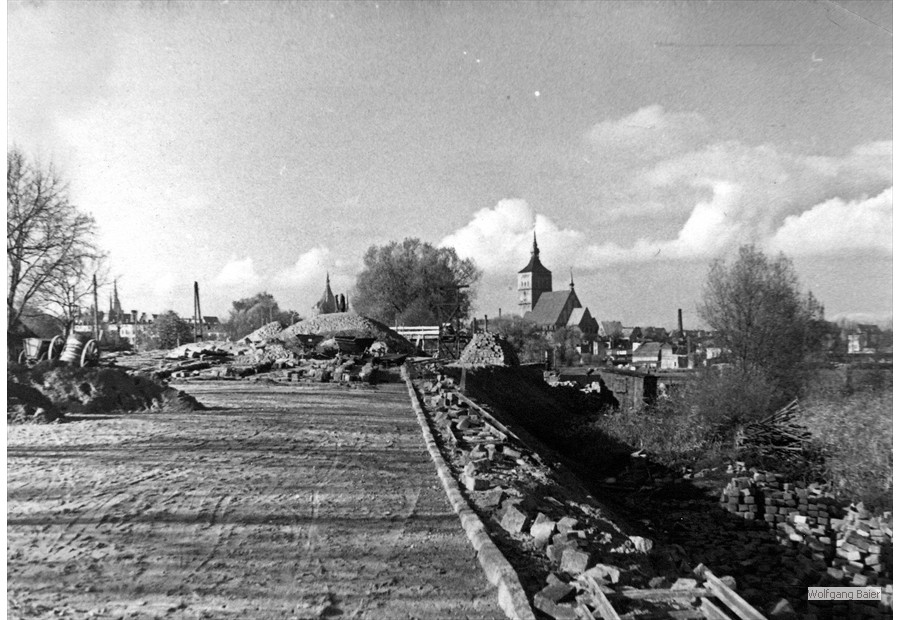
(854, 433)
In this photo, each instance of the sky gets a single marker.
(258, 146)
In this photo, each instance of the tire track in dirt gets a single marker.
(282, 503)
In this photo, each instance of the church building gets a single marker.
(550, 309)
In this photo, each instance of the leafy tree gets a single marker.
(251, 313)
(566, 341)
(526, 337)
(49, 241)
(166, 332)
(409, 282)
(761, 317)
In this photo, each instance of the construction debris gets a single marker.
(486, 349)
(348, 324)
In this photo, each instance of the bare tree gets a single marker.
(760, 315)
(49, 241)
(70, 290)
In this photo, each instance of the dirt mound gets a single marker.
(95, 390)
(488, 349)
(26, 404)
(269, 331)
(349, 324)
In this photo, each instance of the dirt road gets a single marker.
(279, 502)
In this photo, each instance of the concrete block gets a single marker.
(782, 609)
(611, 574)
(684, 583)
(574, 561)
(542, 529)
(555, 592)
(641, 544)
(566, 524)
(555, 551)
(474, 483)
(510, 452)
(513, 520)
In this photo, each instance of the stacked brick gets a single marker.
(487, 349)
(863, 553)
(844, 544)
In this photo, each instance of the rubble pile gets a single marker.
(269, 331)
(833, 543)
(574, 561)
(487, 349)
(348, 324)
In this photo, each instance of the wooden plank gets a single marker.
(710, 611)
(491, 422)
(583, 612)
(686, 614)
(743, 609)
(662, 594)
(598, 598)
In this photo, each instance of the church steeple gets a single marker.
(328, 303)
(571, 280)
(534, 279)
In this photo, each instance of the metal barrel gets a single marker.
(72, 353)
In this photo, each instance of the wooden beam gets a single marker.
(711, 612)
(743, 609)
(598, 598)
(662, 594)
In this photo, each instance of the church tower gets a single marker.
(534, 280)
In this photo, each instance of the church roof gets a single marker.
(550, 306)
(534, 265)
(328, 304)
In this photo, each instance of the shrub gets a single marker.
(670, 433)
(854, 434)
(726, 399)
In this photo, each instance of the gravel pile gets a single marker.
(269, 331)
(486, 349)
(349, 324)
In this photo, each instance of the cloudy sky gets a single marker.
(254, 146)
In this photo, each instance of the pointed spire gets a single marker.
(534, 248)
(571, 280)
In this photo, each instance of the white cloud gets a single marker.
(499, 239)
(648, 134)
(239, 274)
(838, 225)
(309, 268)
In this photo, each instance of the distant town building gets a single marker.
(864, 338)
(328, 303)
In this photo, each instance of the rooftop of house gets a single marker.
(549, 307)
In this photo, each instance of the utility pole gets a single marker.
(198, 318)
(96, 321)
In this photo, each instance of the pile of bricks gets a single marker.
(487, 349)
(847, 543)
(863, 553)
